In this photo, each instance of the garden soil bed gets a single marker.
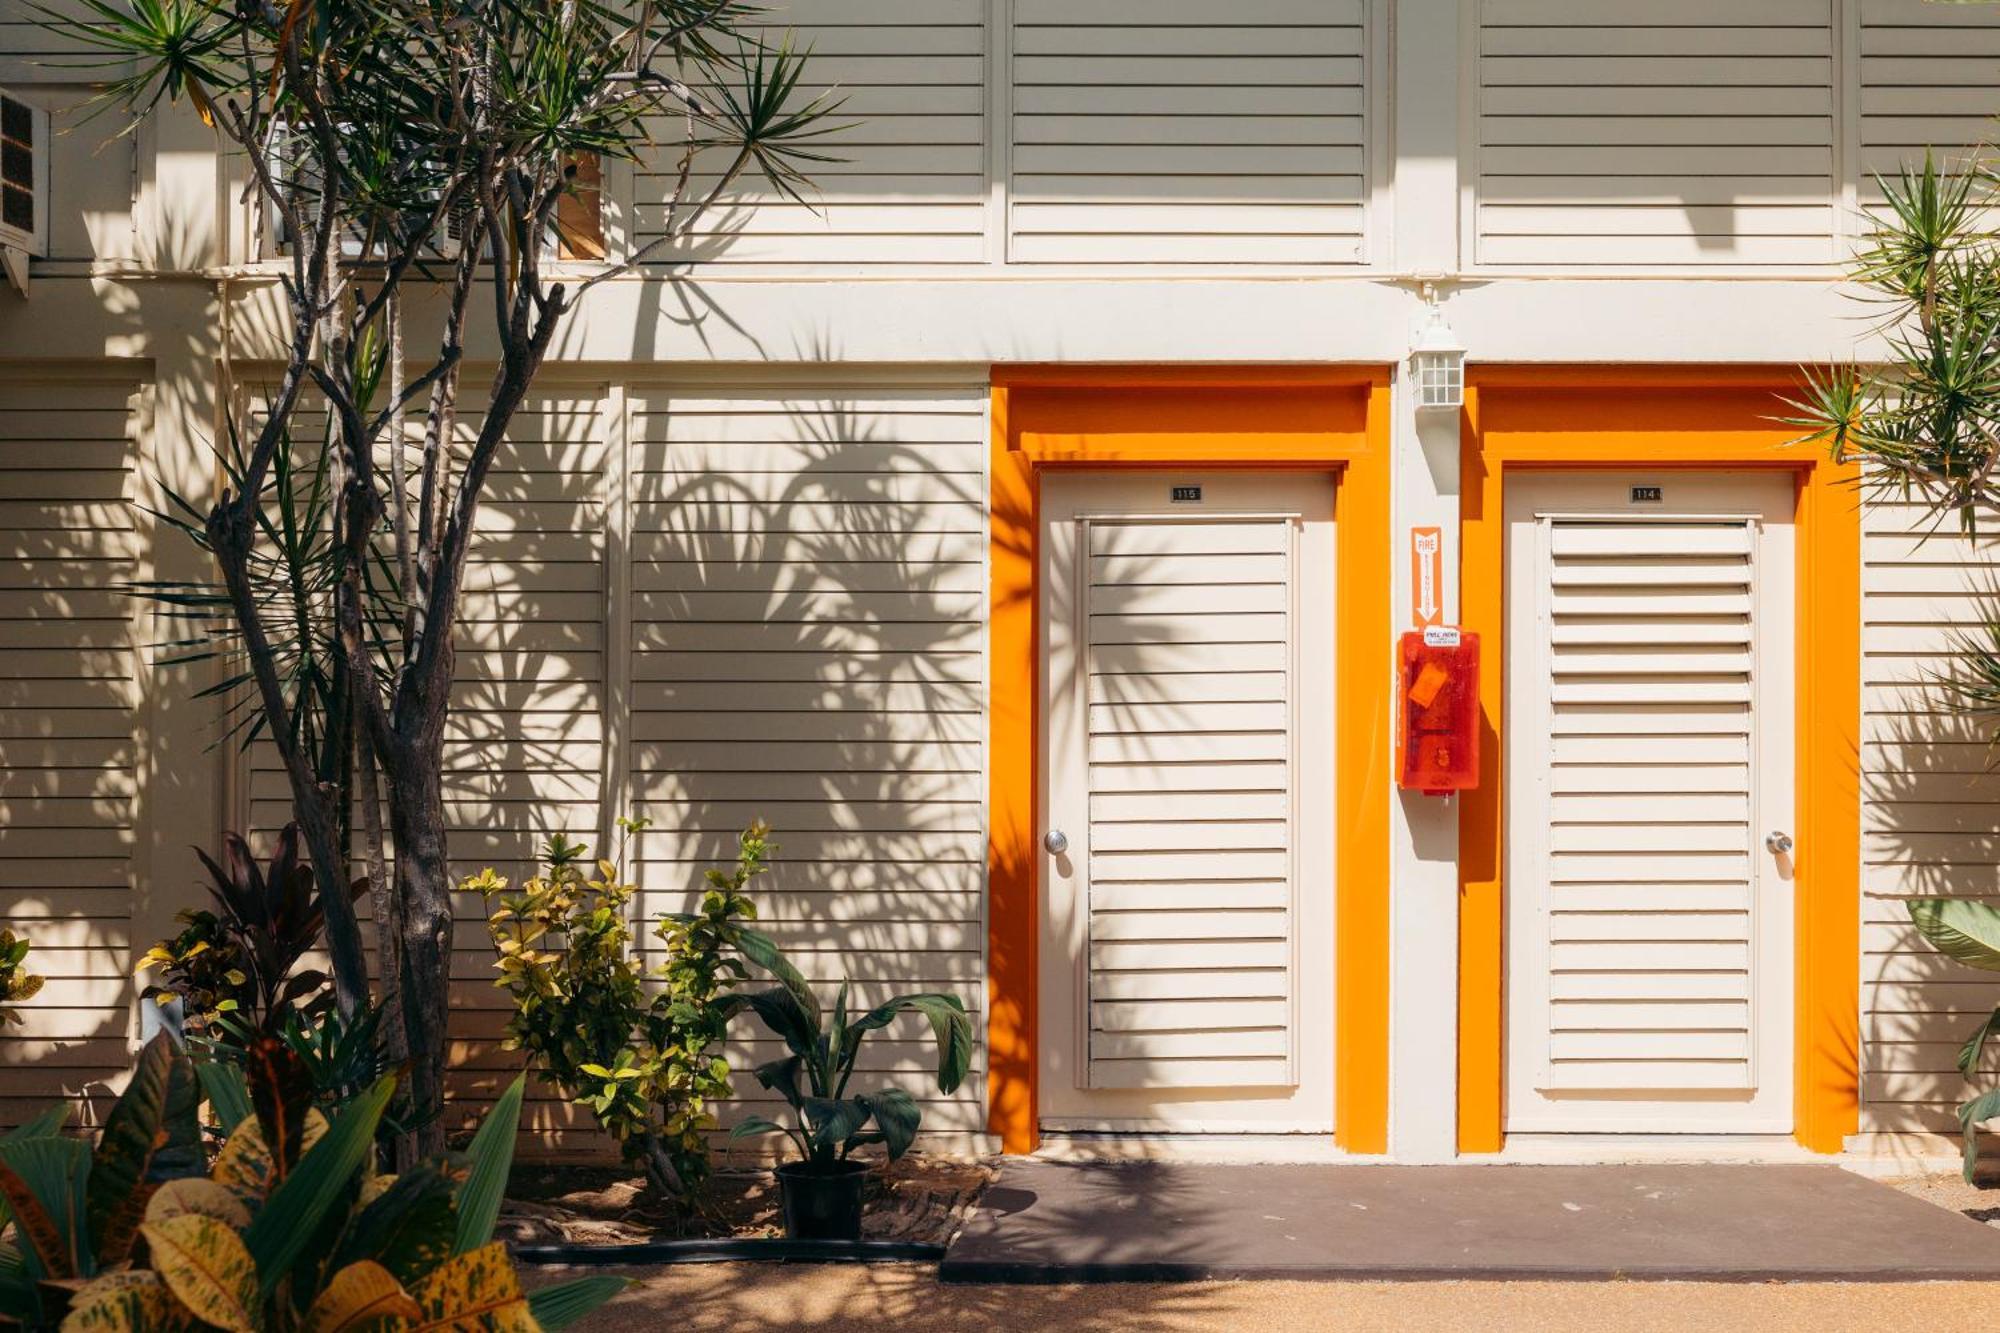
(921, 1199)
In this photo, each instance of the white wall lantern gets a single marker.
(1438, 362)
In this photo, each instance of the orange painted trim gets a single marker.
(1332, 417)
(1520, 417)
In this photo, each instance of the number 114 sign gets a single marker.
(1426, 577)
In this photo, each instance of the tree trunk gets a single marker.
(423, 880)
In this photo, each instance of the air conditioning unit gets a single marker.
(24, 186)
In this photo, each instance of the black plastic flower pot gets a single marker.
(822, 1203)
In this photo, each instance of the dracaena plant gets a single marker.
(641, 1057)
(292, 1229)
(369, 131)
(242, 960)
(832, 1120)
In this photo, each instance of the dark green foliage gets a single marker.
(813, 1079)
(77, 1209)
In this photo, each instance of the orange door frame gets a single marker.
(1618, 416)
(1335, 418)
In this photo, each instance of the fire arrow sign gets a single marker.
(1426, 576)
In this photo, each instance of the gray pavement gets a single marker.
(1046, 1222)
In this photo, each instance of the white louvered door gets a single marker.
(1188, 688)
(1649, 757)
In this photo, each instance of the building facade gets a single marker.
(1026, 532)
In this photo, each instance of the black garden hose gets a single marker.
(769, 1249)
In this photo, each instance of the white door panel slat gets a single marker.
(1174, 765)
(1175, 715)
(1636, 941)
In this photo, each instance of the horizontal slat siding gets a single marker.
(524, 747)
(908, 183)
(1649, 907)
(1189, 905)
(806, 647)
(69, 699)
(1930, 79)
(1928, 817)
(1619, 134)
(1149, 133)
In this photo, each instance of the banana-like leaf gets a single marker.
(1975, 1045)
(42, 1180)
(492, 1154)
(899, 1117)
(1970, 1117)
(750, 1126)
(831, 1122)
(288, 1219)
(477, 1289)
(139, 1127)
(557, 1307)
(364, 1295)
(228, 1095)
(949, 1021)
(408, 1226)
(787, 1019)
(131, 1301)
(762, 950)
(204, 1263)
(781, 1077)
(177, 1198)
(1967, 929)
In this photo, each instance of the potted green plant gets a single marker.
(821, 1191)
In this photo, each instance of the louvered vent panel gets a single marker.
(1648, 848)
(1163, 132)
(1930, 78)
(902, 180)
(1191, 775)
(1617, 133)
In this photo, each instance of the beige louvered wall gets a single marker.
(1162, 131)
(524, 753)
(71, 724)
(1621, 133)
(1930, 78)
(806, 592)
(799, 565)
(909, 182)
(1929, 824)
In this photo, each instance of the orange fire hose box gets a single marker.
(1438, 692)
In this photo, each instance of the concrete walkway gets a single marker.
(1046, 1222)
(777, 1298)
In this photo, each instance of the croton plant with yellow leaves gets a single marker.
(290, 1229)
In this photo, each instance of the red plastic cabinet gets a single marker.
(1437, 673)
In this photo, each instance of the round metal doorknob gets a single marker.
(1056, 841)
(1778, 843)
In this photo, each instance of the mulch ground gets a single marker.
(919, 1198)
